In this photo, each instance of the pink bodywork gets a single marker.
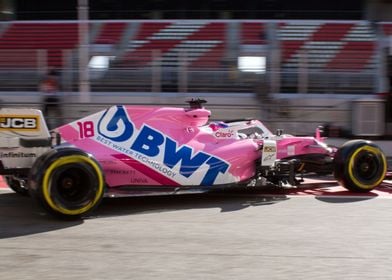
(189, 129)
(290, 146)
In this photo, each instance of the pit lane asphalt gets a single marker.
(211, 236)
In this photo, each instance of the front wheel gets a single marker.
(360, 165)
(67, 182)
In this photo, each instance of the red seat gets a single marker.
(253, 33)
(50, 37)
(110, 33)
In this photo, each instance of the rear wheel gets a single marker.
(360, 166)
(68, 183)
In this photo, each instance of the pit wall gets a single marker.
(297, 114)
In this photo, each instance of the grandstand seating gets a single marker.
(316, 47)
(200, 43)
(31, 37)
(321, 50)
(23, 44)
(328, 46)
(353, 56)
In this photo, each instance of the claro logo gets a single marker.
(14, 122)
(224, 134)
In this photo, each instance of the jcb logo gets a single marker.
(19, 122)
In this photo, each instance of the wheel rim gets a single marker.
(56, 180)
(70, 186)
(366, 166)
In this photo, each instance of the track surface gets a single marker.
(318, 231)
(315, 187)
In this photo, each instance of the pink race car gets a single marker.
(141, 150)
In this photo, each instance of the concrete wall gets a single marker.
(295, 113)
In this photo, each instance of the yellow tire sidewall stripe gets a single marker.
(46, 188)
(375, 151)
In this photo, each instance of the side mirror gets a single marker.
(279, 132)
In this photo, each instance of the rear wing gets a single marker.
(25, 124)
(24, 136)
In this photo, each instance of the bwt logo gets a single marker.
(116, 126)
(12, 122)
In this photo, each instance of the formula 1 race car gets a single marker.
(143, 150)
